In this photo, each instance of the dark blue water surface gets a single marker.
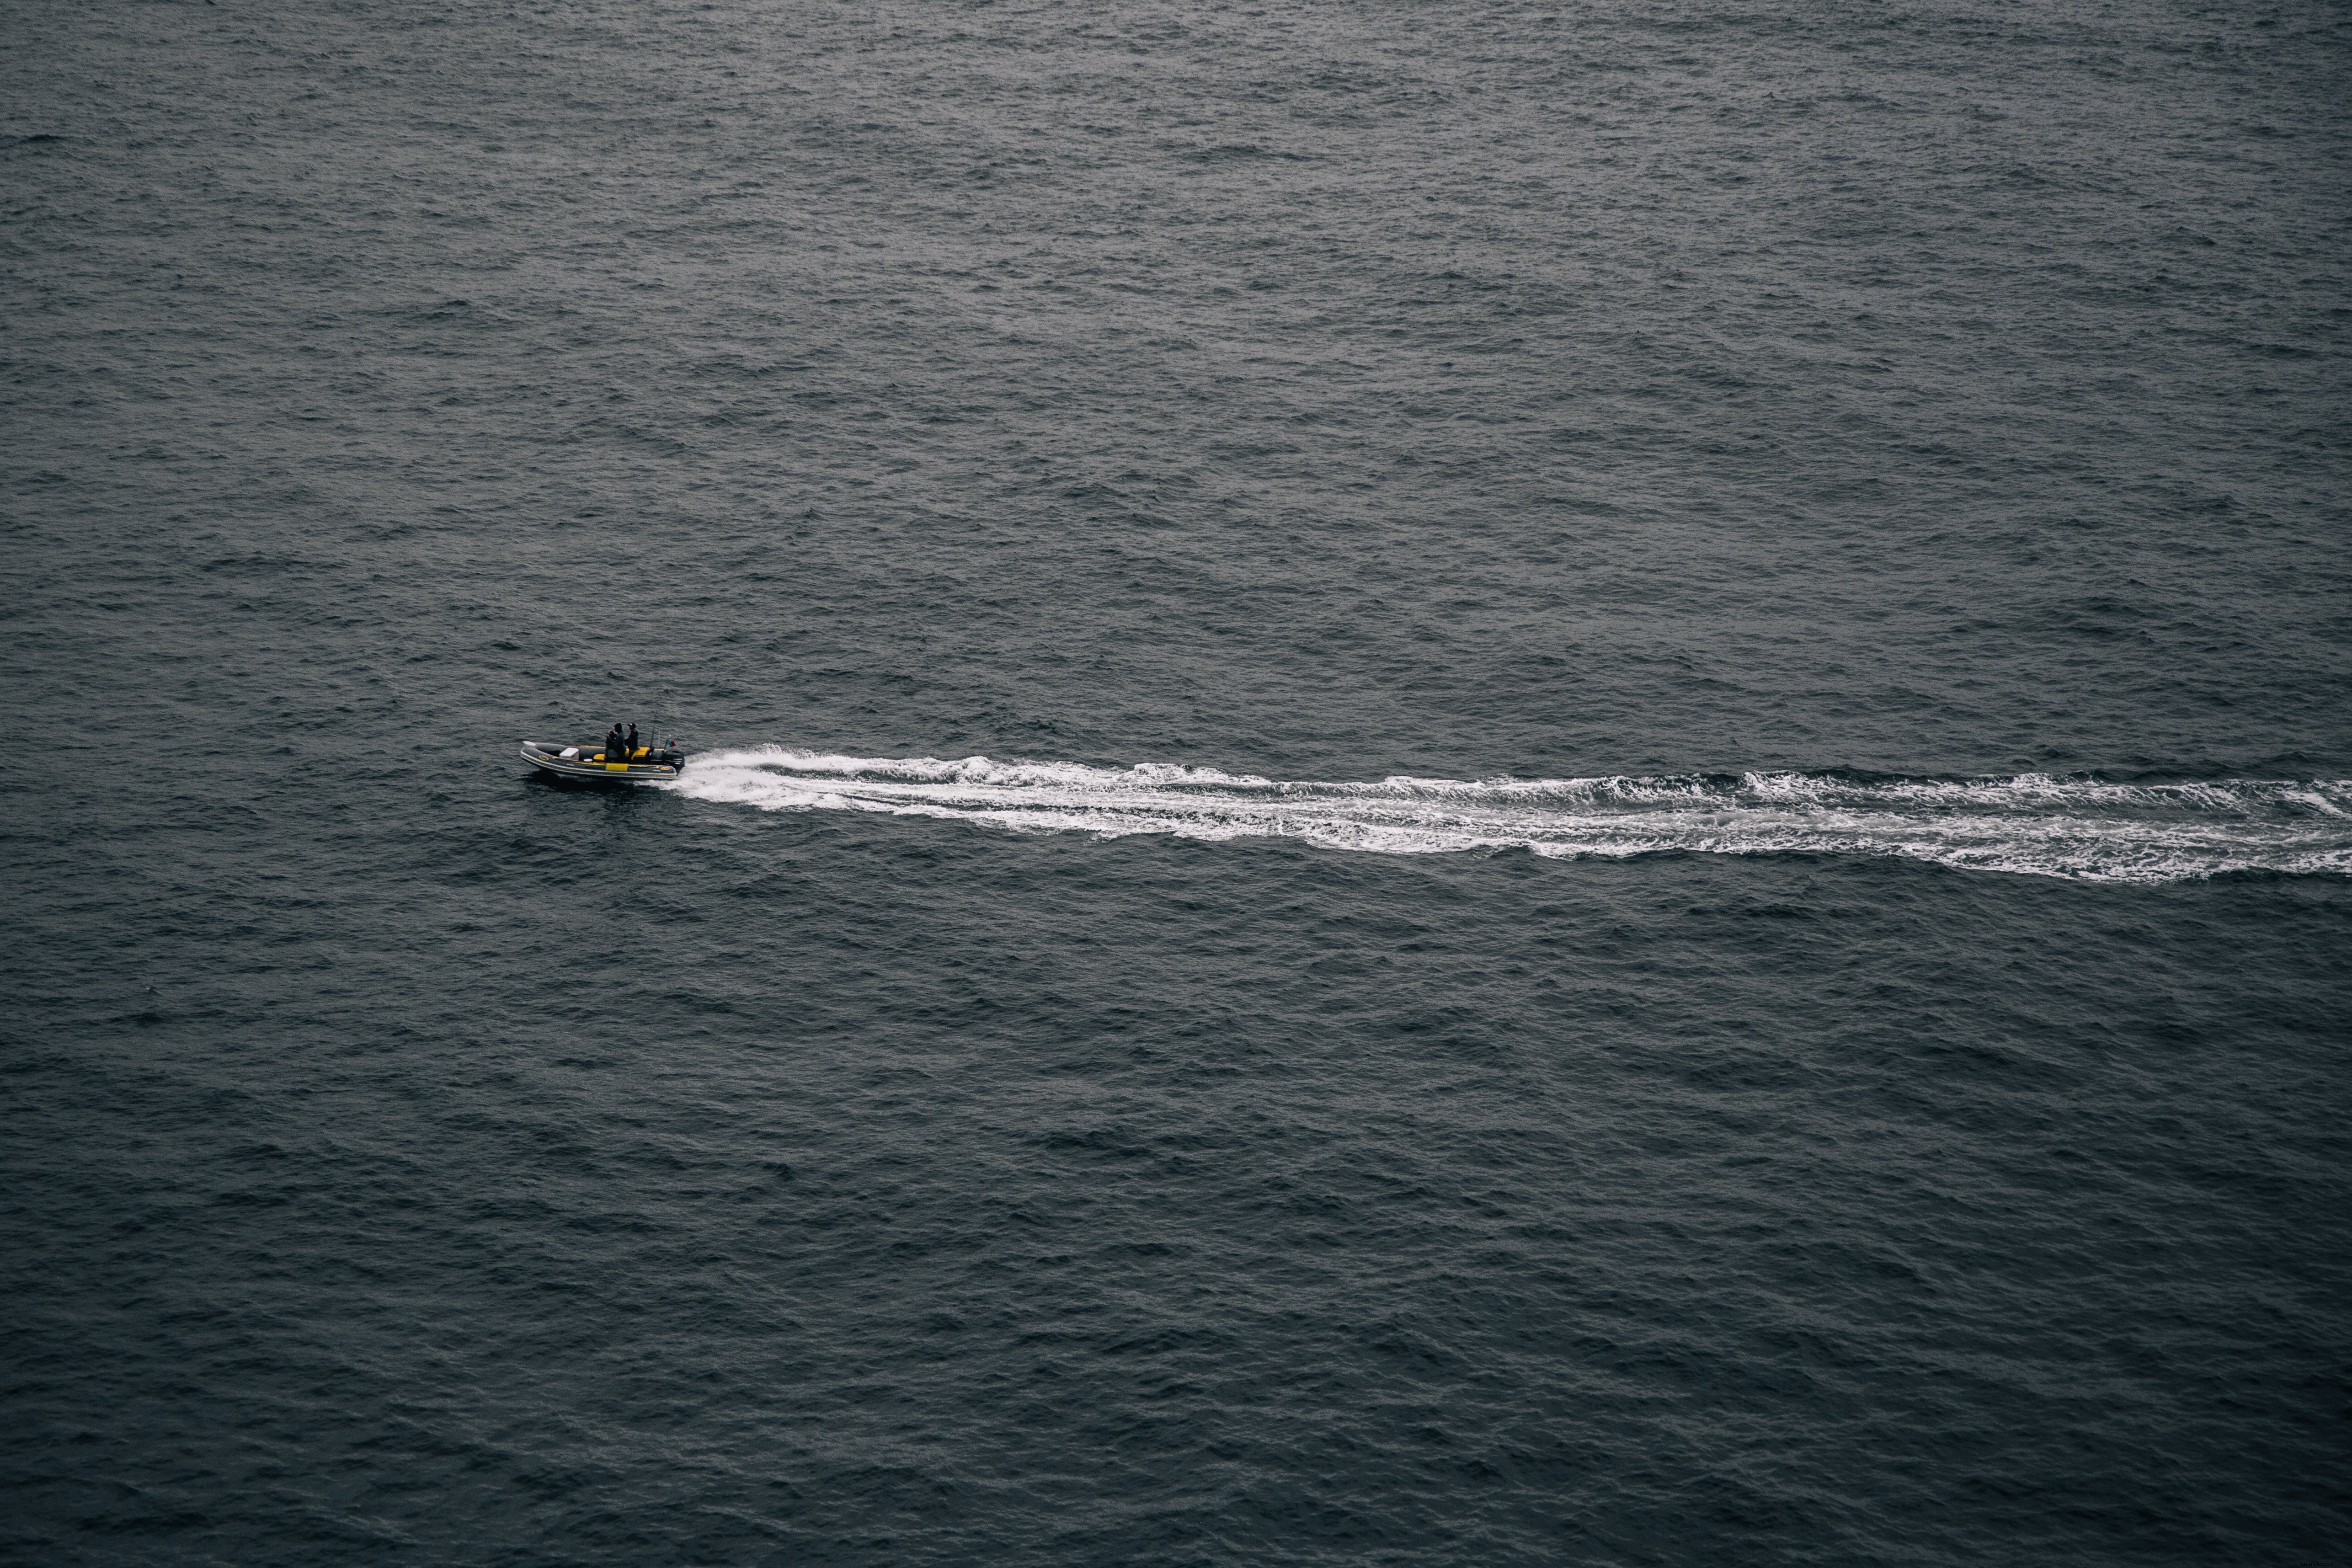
(1472, 784)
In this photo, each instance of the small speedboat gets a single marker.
(646, 765)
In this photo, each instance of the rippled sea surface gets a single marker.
(1471, 783)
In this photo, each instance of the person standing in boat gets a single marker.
(629, 746)
(612, 744)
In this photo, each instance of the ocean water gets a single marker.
(1471, 783)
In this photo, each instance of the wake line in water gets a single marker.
(2032, 822)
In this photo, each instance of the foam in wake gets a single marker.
(2032, 822)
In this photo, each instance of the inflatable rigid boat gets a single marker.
(646, 765)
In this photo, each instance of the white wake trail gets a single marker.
(2032, 822)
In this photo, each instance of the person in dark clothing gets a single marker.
(612, 744)
(629, 746)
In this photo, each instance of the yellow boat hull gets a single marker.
(648, 765)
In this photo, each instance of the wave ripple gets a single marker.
(2032, 822)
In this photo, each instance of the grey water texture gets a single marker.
(1468, 784)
